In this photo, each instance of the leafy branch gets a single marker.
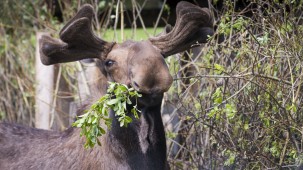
(117, 97)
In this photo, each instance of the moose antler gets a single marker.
(77, 41)
(193, 25)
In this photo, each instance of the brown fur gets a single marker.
(28, 148)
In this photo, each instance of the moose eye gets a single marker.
(109, 63)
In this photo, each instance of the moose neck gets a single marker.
(142, 143)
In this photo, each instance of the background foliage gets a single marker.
(237, 102)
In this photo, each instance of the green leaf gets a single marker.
(128, 101)
(122, 123)
(219, 68)
(246, 126)
(113, 101)
(213, 112)
(230, 110)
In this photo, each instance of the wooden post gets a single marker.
(44, 89)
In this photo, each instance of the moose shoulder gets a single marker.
(140, 65)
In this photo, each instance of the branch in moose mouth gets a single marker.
(117, 97)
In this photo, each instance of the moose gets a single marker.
(141, 65)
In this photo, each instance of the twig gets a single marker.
(159, 16)
(236, 76)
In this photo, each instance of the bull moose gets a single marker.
(140, 65)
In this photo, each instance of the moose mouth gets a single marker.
(148, 100)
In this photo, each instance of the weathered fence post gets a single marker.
(44, 89)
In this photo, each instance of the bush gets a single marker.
(241, 107)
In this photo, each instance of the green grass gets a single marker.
(137, 35)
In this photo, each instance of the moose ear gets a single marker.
(193, 24)
(77, 41)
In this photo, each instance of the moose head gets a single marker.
(137, 64)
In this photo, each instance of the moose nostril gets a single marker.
(136, 84)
